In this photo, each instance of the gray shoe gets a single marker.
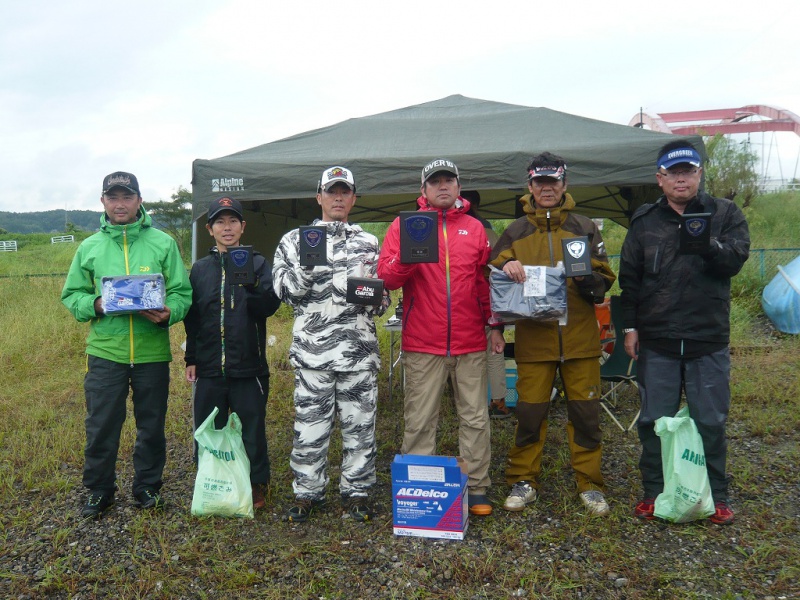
(595, 502)
(522, 494)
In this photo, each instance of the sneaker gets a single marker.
(645, 509)
(499, 410)
(358, 507)
(96, 505)
(302, 509)
(595, 502)
(723, 514)
(522, 494)
(479, 505)
(259, 498)
(149, 498)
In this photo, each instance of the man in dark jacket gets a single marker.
(226, 340)
(676, 313)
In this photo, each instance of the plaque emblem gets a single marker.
(312, 237)
(419, 228)
(696, 227)
(576, 249)
(238, 256)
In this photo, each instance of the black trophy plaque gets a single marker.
(419, 237)
(313, 246)
(577, 256)
(365, 290)
(240, 266)
(695, 233)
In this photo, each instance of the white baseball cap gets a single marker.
(334, 175)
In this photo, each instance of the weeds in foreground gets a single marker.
(551, 550)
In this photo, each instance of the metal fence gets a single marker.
(762, 264)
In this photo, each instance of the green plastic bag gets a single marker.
(687, 491)
(222, 486)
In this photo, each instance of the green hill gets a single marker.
(49, 221)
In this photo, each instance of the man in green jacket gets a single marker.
(126, 351)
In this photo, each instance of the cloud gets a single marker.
(91, 87)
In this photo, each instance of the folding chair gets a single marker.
(618, 369)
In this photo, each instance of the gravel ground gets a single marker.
(552, 550)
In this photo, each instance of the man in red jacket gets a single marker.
(446, 308)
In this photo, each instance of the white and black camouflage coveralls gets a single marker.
(335, 354)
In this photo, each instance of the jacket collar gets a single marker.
(131, 230)
(461, 206)
(539, 216)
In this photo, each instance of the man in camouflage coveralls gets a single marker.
(334, 352)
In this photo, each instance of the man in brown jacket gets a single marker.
(542, 347)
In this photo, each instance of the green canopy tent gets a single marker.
(611, 168)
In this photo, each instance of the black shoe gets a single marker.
(358, 507)
(149, 498)
(96, 505)
(302, 509)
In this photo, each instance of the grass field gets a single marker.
(552, 550)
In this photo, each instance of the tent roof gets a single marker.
(611, 168)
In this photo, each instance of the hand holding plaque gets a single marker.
(419, 237)
(695, 233)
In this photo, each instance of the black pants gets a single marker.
(106, 387)
(247, 397)
(705, 381)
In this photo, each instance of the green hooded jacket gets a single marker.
(134, 249)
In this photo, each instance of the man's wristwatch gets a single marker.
(629, 330)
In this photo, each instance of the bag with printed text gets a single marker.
(687, 491)
(222, 486)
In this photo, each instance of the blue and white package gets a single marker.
(429, 496)
(132, 293)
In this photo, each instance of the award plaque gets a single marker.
(419, 237)
(365, 290)
(239, 268)
(313, 246)
(695, 233)
(577, 256)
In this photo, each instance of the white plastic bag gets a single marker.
(687, 491)
(222, 486)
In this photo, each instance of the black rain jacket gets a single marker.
(226, 327)
(667, 295)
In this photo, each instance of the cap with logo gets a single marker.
(440, 165)
(336, 175)
(121, 179)
(224, 203)
(552, 171)
(677, 156)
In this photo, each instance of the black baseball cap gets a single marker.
(121, 179)
(224, 203)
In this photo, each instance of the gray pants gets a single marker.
(106, 387)
(320, 396)
(706, 383)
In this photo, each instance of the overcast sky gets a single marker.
(90, 87)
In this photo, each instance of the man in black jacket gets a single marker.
(676, 314)
(226, 340)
